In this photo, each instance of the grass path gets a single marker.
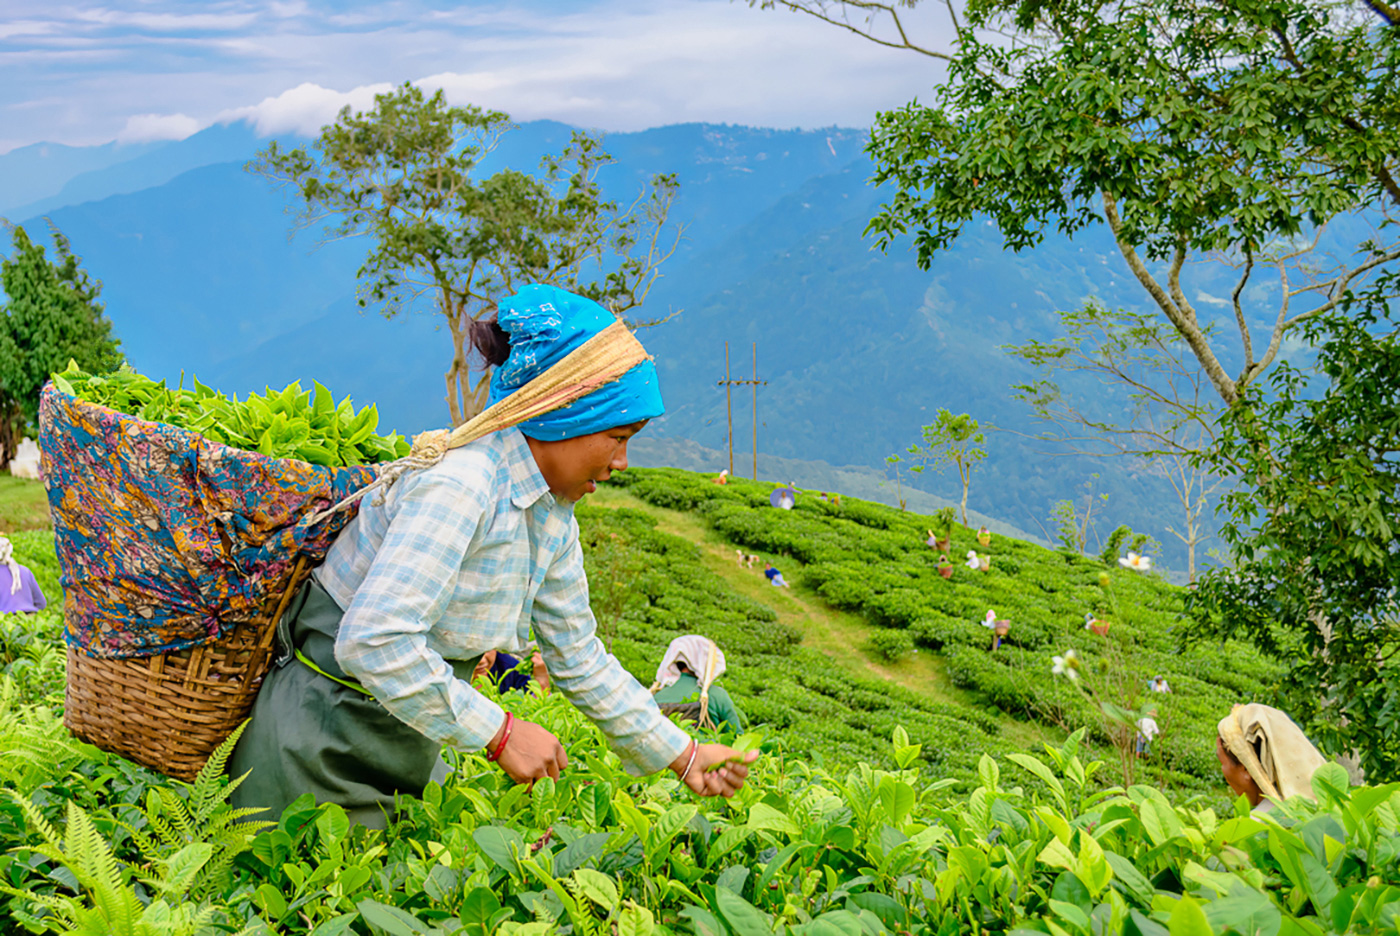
(23, 504)
(839, 635)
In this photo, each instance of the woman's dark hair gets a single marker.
(490, 340)
(680, 665)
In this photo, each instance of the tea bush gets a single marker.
(892, 646)
(1036, 846)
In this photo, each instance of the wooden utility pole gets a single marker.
(755, 410)
(728, 385)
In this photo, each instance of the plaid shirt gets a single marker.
(460, 559)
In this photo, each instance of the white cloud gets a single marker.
(16, 28)
(1203, 296)
(141, 128)
(304, 109)
(609, 64)
(169, 22)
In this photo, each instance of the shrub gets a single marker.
(892, 645)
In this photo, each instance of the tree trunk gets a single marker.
(9, 432)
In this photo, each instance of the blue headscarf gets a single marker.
(545, 324)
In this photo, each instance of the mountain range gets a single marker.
(204, 273)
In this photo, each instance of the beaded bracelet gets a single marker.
(495, 755)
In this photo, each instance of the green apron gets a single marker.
(312, 734)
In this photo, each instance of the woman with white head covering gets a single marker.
(685, 684)
(19, 592)
(1265, 756)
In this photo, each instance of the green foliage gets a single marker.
(37, 746)
(52, 316)
(808, 703)
(952, 441)
(181, 815)
(1243, 123)
(1313, 532)
(943, 520)
(1037, 845)
(407, 173)
(841, 828)
(892, 645)
(1073, 523)
(291, 423)
(23, 505)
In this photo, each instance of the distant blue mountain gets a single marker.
(31, 173)
(155, 166)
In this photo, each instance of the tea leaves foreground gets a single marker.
(901, 843)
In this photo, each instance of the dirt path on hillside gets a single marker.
(837, 634)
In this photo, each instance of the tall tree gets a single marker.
(407, 173)
(1316, 583)
(951, 441)
(51, 315)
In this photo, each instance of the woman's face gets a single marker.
(483, 666)
(573, 467)
(1236, 775)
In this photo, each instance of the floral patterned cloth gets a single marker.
(167, 539)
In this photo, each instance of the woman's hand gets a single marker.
(731, 769)
(530, 753)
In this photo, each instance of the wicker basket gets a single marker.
(169, 712)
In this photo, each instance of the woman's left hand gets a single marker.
(727, 778)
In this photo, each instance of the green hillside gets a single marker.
(801, 659)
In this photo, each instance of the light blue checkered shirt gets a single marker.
(460, 559)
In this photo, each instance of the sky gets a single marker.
(136, 70)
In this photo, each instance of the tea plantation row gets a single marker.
(872, 559)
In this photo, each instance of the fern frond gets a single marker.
(90, 857)
(59, 904)
(36, 821)
(209, 791)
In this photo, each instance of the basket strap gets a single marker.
(349, 684)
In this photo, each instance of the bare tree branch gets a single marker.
(821, 9)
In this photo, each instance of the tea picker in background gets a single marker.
(999, 627)
(19, 591)
(504, 670)
(1265, 756)
(685, 684)
(462, 557)
(1159, 684)
(774, 576)
(1147, 730)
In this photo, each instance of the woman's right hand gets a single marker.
(531, 753)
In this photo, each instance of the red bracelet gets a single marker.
(694, 749)
(505, 736)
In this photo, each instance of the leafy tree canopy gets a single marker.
(1318, 531)
(1234, 129)
(51, 315)
(407, 173)
(1185, 126)
(1210, 124)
